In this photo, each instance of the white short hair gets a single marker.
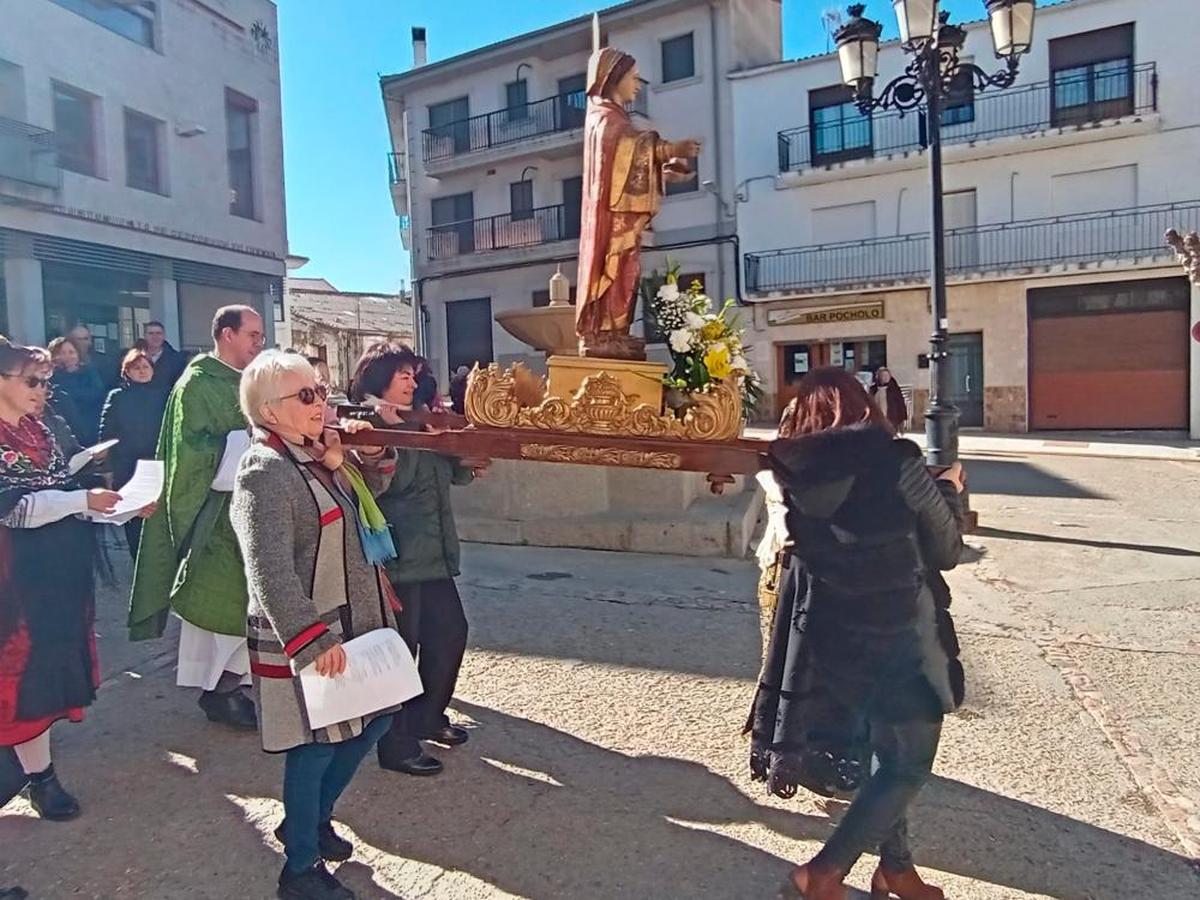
(260, 380)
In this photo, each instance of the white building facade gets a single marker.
(141, 167)
(1066, 308)
(487, 152)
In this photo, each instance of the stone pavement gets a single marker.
(606, 692)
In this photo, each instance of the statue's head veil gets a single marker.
(605, 69)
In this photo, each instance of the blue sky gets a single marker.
(335, 137)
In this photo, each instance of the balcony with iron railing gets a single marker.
(512, 126)
(28, 155)
(1089, 95)
(1125, 234)
(513, 230)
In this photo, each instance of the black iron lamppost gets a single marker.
(934, 44)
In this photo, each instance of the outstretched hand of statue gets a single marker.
(688, 148)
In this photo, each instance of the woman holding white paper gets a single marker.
(48, 668)
(312, 539)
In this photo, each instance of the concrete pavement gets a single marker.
(605, 693)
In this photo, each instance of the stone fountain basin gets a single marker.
(550, 329)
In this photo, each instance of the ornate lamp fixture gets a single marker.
(935, 69)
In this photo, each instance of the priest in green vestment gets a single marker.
(189, 561)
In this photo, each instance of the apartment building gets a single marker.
(487, 151)
(141, 167)
(1066, 308)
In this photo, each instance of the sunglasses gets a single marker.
(308, 395)
(31, 381)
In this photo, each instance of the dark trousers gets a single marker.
(314, 776)
(133, 536)
(434, 626)
(877, 818)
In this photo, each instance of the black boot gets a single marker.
(233, 708)
(421, 764)
(312, 884)
(333, 847)
(49, 799)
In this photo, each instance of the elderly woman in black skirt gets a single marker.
(862, 659)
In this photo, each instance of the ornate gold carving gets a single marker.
(499, 398)
(601, 456)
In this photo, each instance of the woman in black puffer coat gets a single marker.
(862, 659)
(133, 415)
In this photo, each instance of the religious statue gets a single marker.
(624, 171)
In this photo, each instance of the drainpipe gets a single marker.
(718, 204)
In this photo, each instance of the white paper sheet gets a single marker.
(142, 489)
(87, 454)
(236, 444)
(380, 673)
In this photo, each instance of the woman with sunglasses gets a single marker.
(48, 668)
(312, 541)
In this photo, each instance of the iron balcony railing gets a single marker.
(524, 228)
(502, 127)
(28, 154)
(1062, 240)
(1078, 97)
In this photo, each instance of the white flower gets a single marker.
(669, 292)
(693, 321)
(681, 340)
(738, 364)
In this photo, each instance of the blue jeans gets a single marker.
(314, 776)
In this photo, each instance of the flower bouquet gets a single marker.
(705, 345)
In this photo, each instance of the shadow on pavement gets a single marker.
(524, 807)
(1021, 479)
(1034, 537)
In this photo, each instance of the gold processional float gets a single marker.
(602, 402)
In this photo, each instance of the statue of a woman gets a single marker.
(623, 175)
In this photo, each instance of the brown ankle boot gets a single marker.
(905, 884)
(814, 883)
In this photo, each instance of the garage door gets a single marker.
(1109, 356)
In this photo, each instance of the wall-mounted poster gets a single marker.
(800, 362)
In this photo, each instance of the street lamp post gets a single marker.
(934, 44)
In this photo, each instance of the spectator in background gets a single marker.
(426, 395)
(82, 384)
(167, 362)
(334, 394)
(458, 390)
(49, 408)
(103, 364)
(889, 398)
(132, 415)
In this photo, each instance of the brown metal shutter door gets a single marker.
(1112, 370)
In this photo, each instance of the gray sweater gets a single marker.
(310, 586)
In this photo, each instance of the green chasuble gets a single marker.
(189, 559)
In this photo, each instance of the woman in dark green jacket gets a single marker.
(432, 621)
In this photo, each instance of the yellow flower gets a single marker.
(712, 330)
(717, 360)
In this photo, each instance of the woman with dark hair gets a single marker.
(417, 506)
(886, 394)
(862, 659)
(133, 415)
(82, 383)
(48, 668)
(426, 394)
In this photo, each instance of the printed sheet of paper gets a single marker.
(87, 454)
(380, 673)
(144, 488)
